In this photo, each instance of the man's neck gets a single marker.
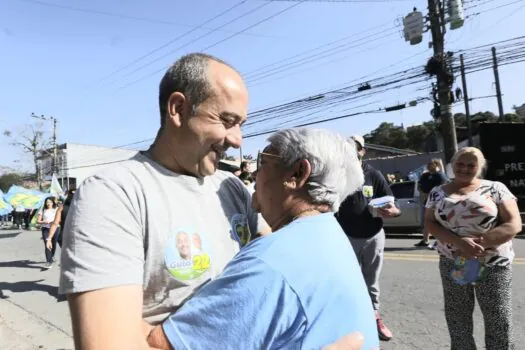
(160, 153)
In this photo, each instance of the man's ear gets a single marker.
(299, 174)
(176, 105)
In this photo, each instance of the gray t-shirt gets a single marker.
(138, 223)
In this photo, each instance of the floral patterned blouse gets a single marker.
(473, 213)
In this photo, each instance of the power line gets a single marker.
(222, 13)
(219, 42)
(320, 55)
(357, 1)
(511, 51)
(121, 16)
(194, 40)
(255, 71)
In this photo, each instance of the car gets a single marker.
(408, 200)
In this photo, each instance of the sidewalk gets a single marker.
(31, 316)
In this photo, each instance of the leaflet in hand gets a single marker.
(381, 202)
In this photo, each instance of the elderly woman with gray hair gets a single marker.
(301, 286)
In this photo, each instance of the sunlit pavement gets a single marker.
(31, 317)
(412, 297)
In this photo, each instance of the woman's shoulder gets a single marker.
(441, 188)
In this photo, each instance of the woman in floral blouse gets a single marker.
(475, 220)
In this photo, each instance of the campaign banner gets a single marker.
(55, 189)
(29, 199)
(5, 208)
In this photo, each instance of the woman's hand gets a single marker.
(49, 244)
(470, 247)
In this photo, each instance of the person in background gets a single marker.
(476, 220)
(18, 217)
(303, 175)
(56, 227)
(366, 231)
(433, 177)
(245, 175)
(45, 218)
(4, 219)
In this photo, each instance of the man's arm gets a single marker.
(102, 267)
(108, 318)
(381, 189)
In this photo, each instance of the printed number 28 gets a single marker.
(201, 262)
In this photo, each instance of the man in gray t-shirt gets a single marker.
(142, 236)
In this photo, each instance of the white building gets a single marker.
(76, 162)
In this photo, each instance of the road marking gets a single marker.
(429, 257)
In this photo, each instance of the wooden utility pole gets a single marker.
(447, 124)
(498, 87)
(465, 98)
(55, 147)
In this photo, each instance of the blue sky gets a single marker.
(56, 61)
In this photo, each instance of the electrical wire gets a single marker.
(218, 42)
(510, 51)
(168, 43)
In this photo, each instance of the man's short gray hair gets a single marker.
(189, 76)
(336, 170)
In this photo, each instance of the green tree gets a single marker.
(388, 134)
(7, 180)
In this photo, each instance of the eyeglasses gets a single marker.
(260, 156)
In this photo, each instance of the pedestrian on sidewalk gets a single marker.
(18, 216)
(57, 226)
(474, 221)
(45, 218)
(366, 231)
(434, 176)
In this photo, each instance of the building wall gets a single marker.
(403, 164)
(84, 160)
(77, 162)
(373, 153)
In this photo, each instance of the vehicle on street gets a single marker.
(407, 199)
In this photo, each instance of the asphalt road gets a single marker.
(412, 297)
(31, 316)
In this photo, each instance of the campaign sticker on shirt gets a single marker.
(187, 255)
(240, 229)
(368, 191)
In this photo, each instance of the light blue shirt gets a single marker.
(298, 288)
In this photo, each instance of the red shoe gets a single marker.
(384, 333)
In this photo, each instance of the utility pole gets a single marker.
(54, 163)
(447, 125)
(55, 147)
(465, 98)
(498, 87)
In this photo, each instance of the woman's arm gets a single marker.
(466, 245)
(438, 231)
(55, 223)
(509, 227)
(40, 217)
